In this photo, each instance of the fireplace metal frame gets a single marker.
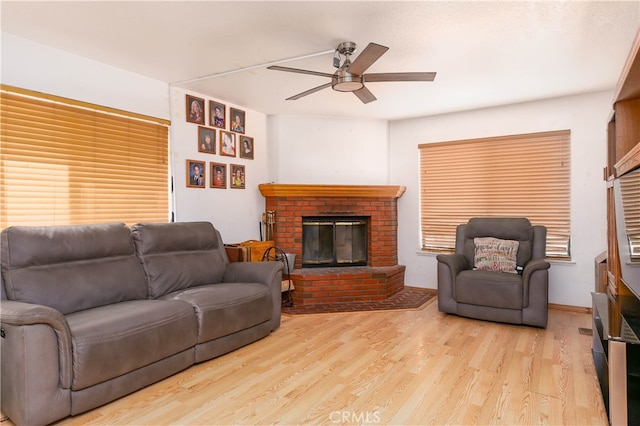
(337, 223)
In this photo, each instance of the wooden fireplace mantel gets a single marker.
(315, 190)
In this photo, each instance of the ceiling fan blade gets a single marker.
(400, 76)
(369, 55)
(308, 92)
(299, 71)
(364, 95)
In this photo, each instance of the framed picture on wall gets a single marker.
(217, 114)
(246, 147)
(206, 140)
(237, 118)
(238, 176)
(195, 110)
(218, 173)
(196, 174)
(227, 143)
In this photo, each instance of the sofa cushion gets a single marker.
(113, 340)
(488, 288)
(71, 268)
(494, 254)
(226, 308)
(179, 255)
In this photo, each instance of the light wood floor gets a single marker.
(414, 367)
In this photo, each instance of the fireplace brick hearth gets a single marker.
(346, 284)
(380, 279)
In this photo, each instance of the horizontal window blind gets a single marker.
(517, 176)
(67, 162)
(630, 190)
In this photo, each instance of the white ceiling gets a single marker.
(486, 53)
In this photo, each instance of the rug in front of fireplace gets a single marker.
(407, 298)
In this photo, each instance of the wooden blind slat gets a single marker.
(630, 189)
(71, 163)
(521, 175)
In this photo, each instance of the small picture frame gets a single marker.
(237, 118)
(217, 114)
(218, 172)
(227, 143)
(206, 140)
(195, 110)
(238, 177)
(196, 174)
(246, 147)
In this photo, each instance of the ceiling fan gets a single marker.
(350, 76)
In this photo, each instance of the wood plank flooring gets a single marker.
(411, 367)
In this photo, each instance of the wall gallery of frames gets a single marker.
(222, 137)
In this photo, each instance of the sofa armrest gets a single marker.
(267, 273)
(19, 314)
(254, 272)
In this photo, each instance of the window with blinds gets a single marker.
(517, 176)
(68, 162)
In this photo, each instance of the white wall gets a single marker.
(586, 116)
(41, 68)
(328, 150)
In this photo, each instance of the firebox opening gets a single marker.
(334, 241)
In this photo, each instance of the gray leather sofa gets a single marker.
(91, 313)
(516, 298)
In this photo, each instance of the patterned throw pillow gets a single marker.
(493, 254)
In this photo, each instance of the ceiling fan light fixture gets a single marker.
(345, 82)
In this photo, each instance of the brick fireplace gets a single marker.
(381, 278)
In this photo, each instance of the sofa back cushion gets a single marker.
(518, 229)
(179, 255)
(71, 268)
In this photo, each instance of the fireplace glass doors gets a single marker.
(334, 241)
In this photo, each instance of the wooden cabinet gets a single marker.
(616, 314)
(623, 150)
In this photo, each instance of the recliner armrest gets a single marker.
(449, 265)
(530, 280)
(534, 265)
(24, 314)
(456, 262)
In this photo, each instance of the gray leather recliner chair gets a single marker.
(517, 298)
